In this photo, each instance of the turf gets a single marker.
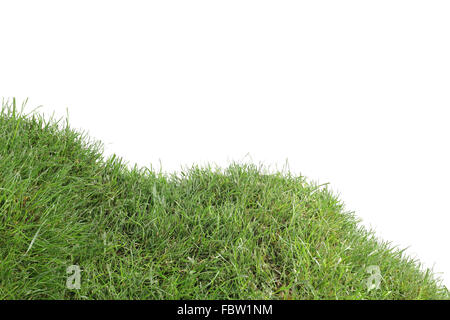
(203, 233)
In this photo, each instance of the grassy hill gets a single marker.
(205, 233)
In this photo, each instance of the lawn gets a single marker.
(203, 233)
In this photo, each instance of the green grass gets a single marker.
(204, 233)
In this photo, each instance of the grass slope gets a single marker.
(202, 234)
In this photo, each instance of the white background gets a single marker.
(355, 93)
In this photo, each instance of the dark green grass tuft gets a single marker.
(205, 233)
